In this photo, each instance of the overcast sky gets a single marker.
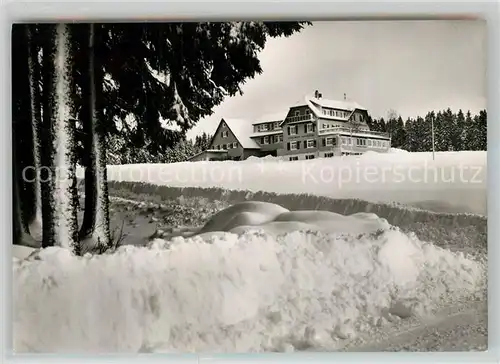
(409, 66)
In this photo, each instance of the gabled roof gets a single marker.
(315, 105)
(269, 118)
(241, 129)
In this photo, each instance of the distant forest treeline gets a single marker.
(452, 131)
(122, 153)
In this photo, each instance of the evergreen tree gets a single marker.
(469, 136)
(410, 135)
(426, 135)
(439, 132)
(445, 130)
(481, 130)
(398, 133)
(90, 91)
(458, 132)
(382, 126)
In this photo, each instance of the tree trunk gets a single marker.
(59, 192)
(22, 163)
(46, 174)
(35, 221)
(19, 229)
(95, 228)
(88, 106)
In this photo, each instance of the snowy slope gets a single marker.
(457, 179)
(253, 283)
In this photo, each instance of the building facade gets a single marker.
(313, 128)
(322, 128)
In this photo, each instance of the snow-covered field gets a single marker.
(257, 277)
(454, 181)
(340, 278)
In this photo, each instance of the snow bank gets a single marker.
(397, 150)
(267, 158)
(258, 290)
(454, 178)
(446, 229)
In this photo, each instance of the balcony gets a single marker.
(343, 130)
(296, 119)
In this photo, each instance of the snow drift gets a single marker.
(255, 289)
(453, 178)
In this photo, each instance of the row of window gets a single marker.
(266, 127)
(308, 128)
(336, 113)
(311, 128)
(307, 144)
(232, 145)
(271, 139)
(335, 126)
(326, 155)
(361, 142)
(341, 114)
(308, 157)
(312, 143)
(332, 142)
(307, 112)
(306, 115)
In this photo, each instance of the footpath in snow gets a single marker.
(453, 181)
(247, 282)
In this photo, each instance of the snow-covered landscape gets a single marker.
(175, 190)
(316, 280)
(453, 182)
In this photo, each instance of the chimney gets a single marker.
(316, 94)
(345, 97)
(320, 95)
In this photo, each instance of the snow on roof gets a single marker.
(312, 101)
(316, 103)
(347, 105)
(242, 129)
(277, 116)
